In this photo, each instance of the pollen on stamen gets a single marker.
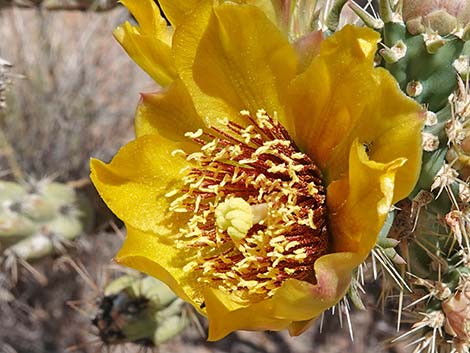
(256, 208)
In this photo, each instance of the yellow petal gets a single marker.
(307, 48)
(395, 133)
(294, 302)
(342, 97)
(222, 70)
(170, 113)
(357, 206)
(359, 202)
(148, 51)
(266, 6)
(299, 327)
(227, 63)
(177, 10)
(303, 301)
(225, 316)
(328, 98)
(147, 14)
(134, 184)
(157, 256)
(185, 43)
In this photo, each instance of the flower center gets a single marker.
(257, 209)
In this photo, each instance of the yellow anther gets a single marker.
(235, 216)
(312, 190)
(195, 134)
(178, 153)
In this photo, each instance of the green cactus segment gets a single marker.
(11, 191)
(139, 310)
(435, 160)
(382, 239)
(386, 11)
(421, 265)
(432, 163)
(430, 238)
(151, 287)
(453, 277)
(354, 294)
(36, 217)
(439, 128)
(433, 71)
(13, 226)
(334, 15)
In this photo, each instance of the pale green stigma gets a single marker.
(235, 216)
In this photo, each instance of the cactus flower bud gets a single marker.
(441, 16)
(457, 312)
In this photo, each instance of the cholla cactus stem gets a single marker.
(386, 11)
(332, 21)
(422, 199)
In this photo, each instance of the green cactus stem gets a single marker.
(139, 310)
(38, 218)
(432, 71)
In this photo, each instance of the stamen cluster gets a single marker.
(260, 166)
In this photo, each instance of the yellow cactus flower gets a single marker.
(253, 189)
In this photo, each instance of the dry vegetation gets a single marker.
(73, 97)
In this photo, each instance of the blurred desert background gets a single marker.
(71, 94)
